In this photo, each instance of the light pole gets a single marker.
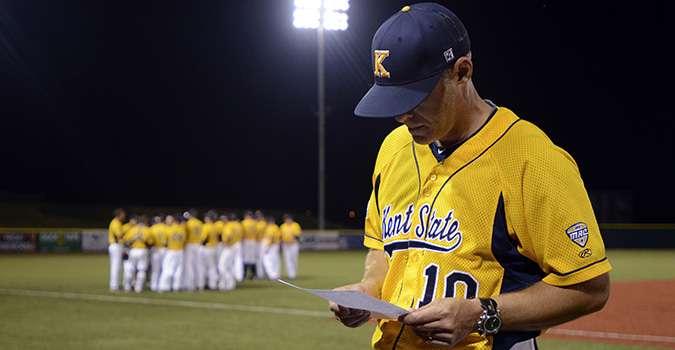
(320, 15)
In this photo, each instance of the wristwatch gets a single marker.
(490, 320)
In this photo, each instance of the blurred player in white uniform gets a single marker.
(250, 244)
(115, 247)
(193, 262)
(172, 266)
(226, 280)
(236, 239)
(271, 258)
(138, 239)
(158, 250)
(210, 239)
(260, 225)
(290, 231)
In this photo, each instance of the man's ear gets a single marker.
(463, 70)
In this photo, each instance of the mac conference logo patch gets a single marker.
(578, 233)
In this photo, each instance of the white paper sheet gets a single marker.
(354, 299)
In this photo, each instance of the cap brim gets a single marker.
(384, 101)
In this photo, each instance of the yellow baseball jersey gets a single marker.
(115, 232)
(506, 209)
(194, 230)
(177, 236)
(138, 237)
(218, 226)
(260, 228)
(210, 236)
(290, 232)
(235, 230)
(273, 234)
(250, 229)
(160, 234)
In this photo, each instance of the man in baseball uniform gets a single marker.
(290, 247)
(477, 222)
(172, 266)
(138, 239)
(261, 224)
(159, 232)
(115, 247)
(236, 238)
(271, 258)
(250, 244)
(210, 240)
(193, 261)
(226, 280)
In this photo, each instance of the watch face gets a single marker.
(492, 324)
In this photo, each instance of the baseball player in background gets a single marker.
(271, 258)
(159, 232)
(115, 247)
(236, 238)
(138, 239)
(210, 240)
(218, 226)
(172, 266)
(290, 231)
(477, 222)
(250, 244)
(260, 226)
(226, 280)
(193, 262)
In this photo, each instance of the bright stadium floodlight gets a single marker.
(320, 15)
(335, 20)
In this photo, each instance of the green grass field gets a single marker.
(57, 301)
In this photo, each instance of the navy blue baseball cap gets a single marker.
(410, 52)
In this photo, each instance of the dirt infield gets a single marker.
(638, 312)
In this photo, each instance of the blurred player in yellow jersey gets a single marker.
(218, 227)
(115, 247)
(226, 279)
(236, 238)
(133, 221)
(172, 266)
(159, 232)
(271, 258)
(250, 243)
(210, 239)
(138, 239)
(193, 262)
(290, 231)
(261, 223)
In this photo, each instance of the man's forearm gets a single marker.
(542, 306)
(375, 271)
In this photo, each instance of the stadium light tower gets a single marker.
(321, 15)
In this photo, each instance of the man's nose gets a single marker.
(401, 118)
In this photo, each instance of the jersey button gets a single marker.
(432, 177)
(427, 192)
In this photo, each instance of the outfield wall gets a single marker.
(67, 240)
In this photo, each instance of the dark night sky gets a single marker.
(211, 103)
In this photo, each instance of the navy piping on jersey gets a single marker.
(417, 165)
(519, 272)
(464, 166)
(377, 193)
(579, 269)
(441, 155)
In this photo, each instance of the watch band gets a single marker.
(489, 304)
(490, 320)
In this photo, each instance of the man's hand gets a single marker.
(444, 322)
(351, 317)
